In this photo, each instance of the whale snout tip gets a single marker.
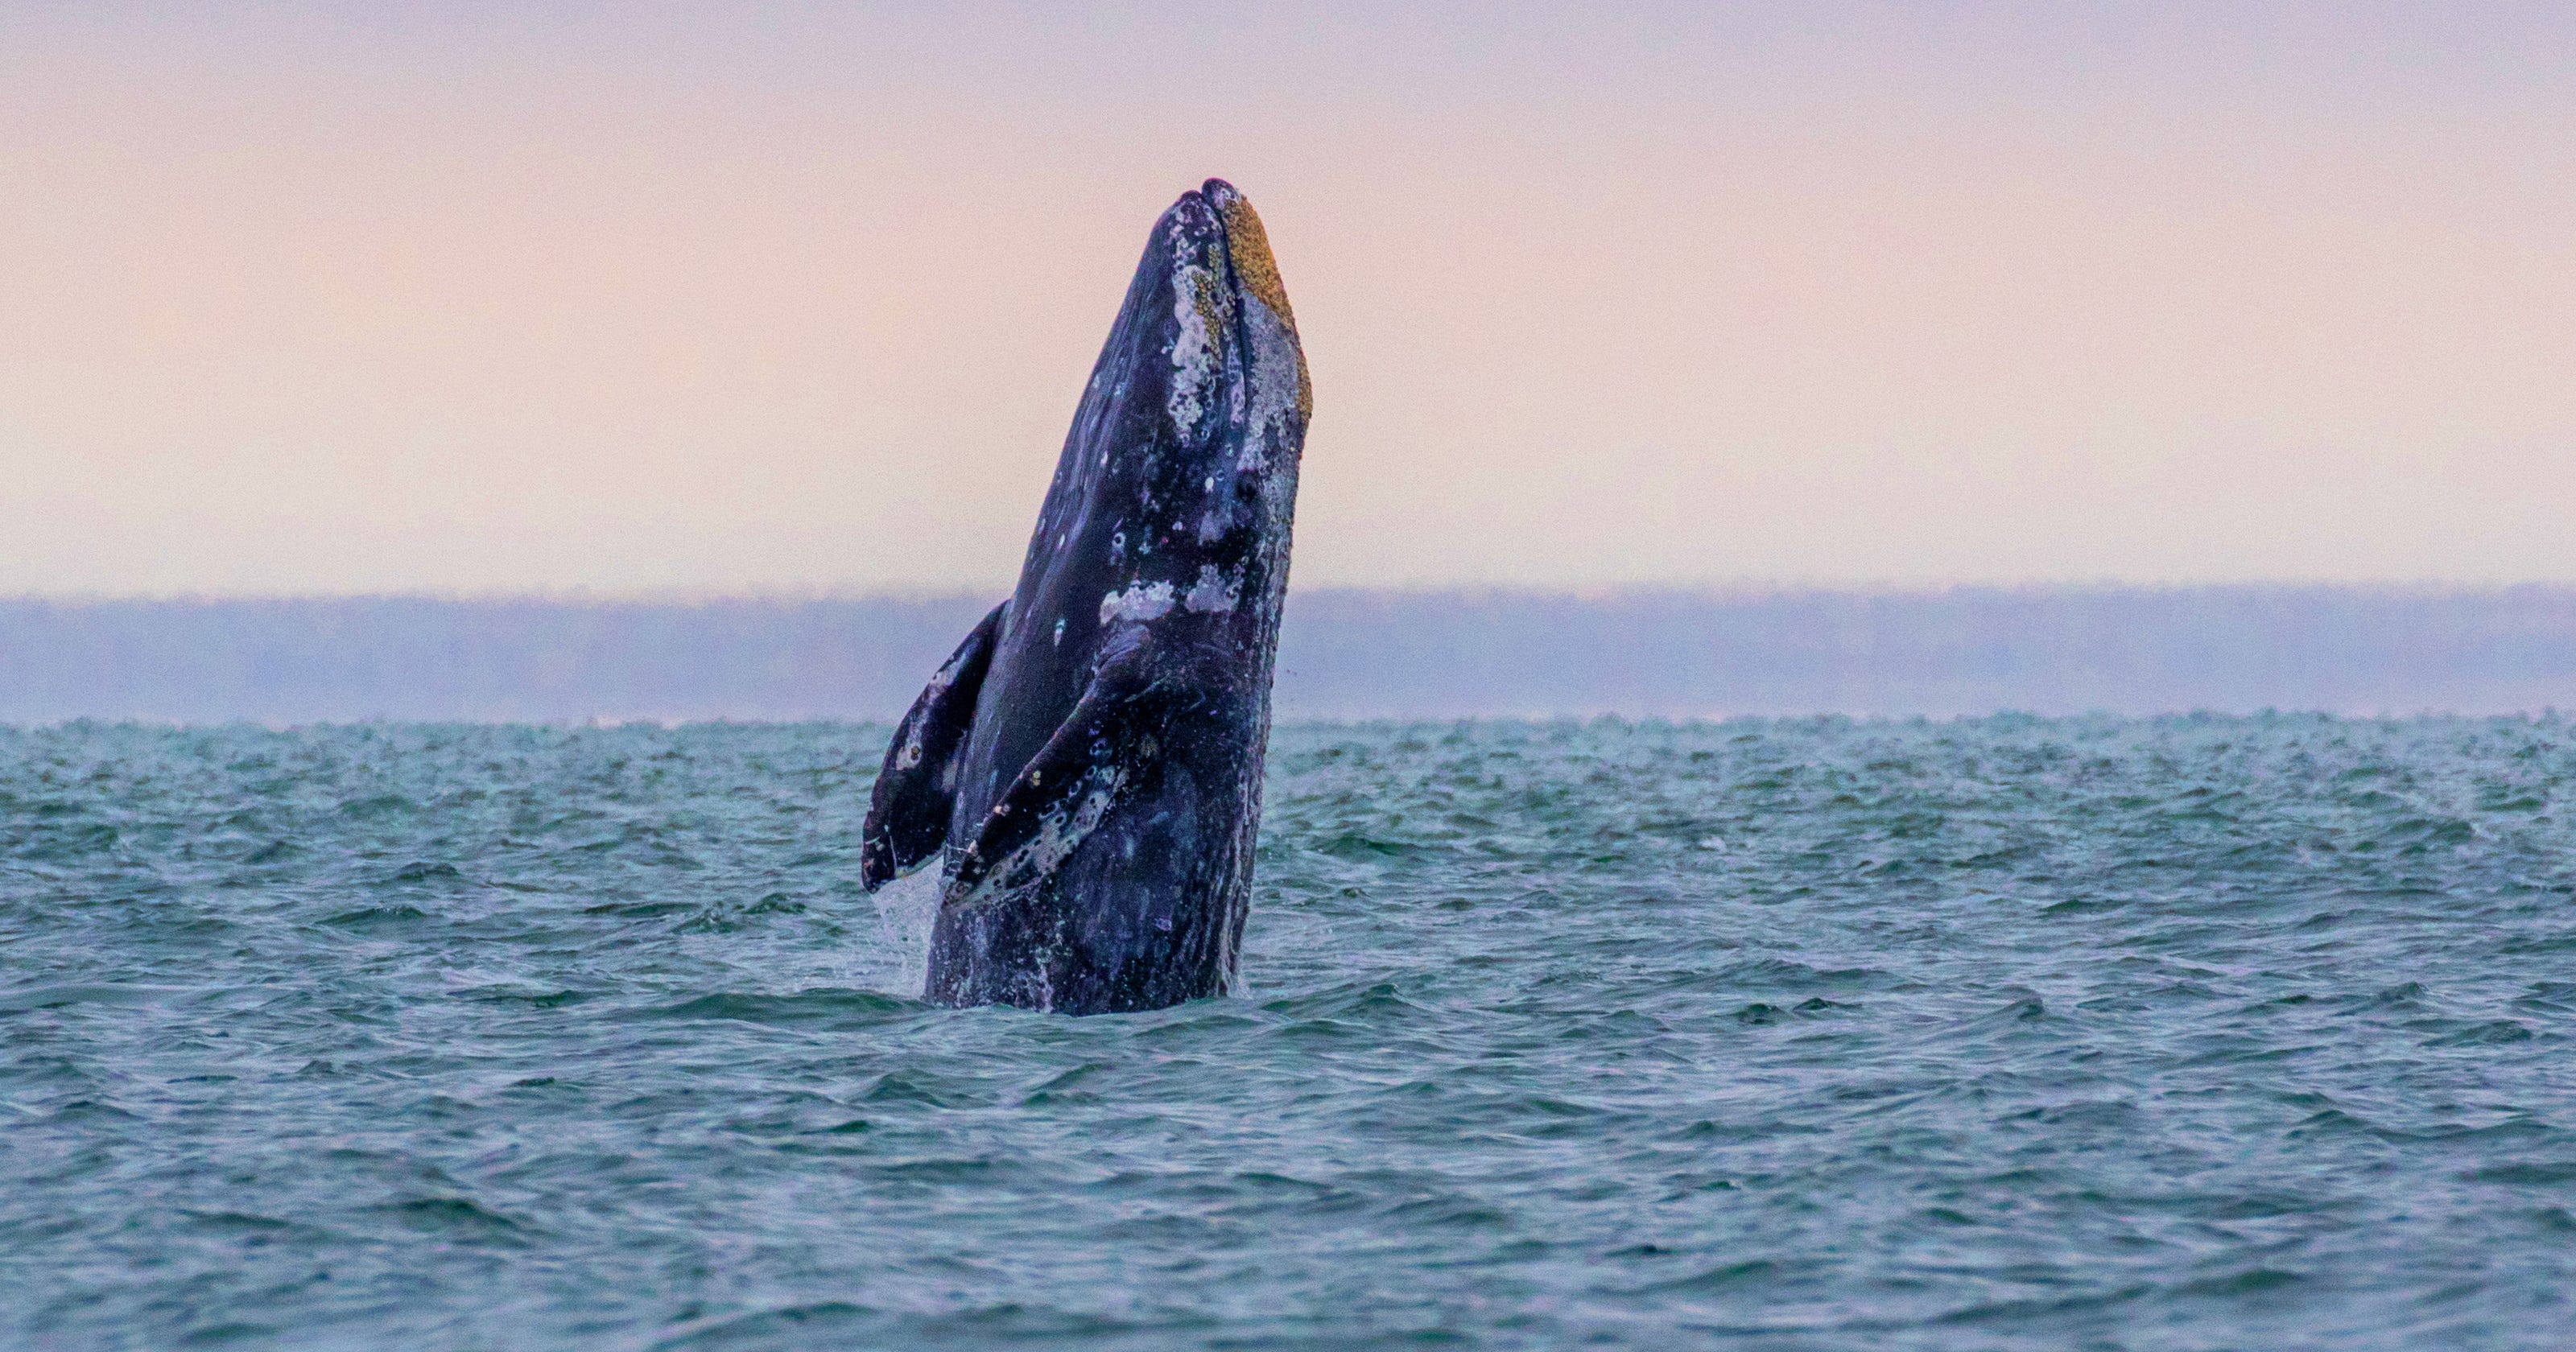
(1200, 212)
(1248, 245)
(1216, 220)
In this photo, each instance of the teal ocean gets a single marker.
(1816, 1034)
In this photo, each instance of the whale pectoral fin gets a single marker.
(916, 791)
(1075, 777)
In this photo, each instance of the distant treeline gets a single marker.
(1344, 654)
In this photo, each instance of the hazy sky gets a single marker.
(366, 297)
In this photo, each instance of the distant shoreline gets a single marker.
(1345, 653)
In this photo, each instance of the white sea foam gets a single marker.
(907, 908)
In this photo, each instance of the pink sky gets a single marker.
(762, 298)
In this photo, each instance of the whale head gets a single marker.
(1177, 488)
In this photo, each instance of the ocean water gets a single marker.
(2005, 1033)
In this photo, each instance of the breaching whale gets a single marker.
(1087, 766)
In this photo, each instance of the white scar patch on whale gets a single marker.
(1211, 594)
(1193, 355)
(1140, 601)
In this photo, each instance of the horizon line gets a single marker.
(1715, 590)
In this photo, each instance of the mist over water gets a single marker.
(1999, 1033)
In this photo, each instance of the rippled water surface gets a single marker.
(2000, 1034)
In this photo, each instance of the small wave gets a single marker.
(784, 1326)
(2493, 1033)
(457, 1216)
(855, 1007)
(425, 871)
(377, 807)
(369, 919)
(29, 998)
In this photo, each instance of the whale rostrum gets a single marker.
(1086, 768)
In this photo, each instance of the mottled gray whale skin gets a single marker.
(1087, 766)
